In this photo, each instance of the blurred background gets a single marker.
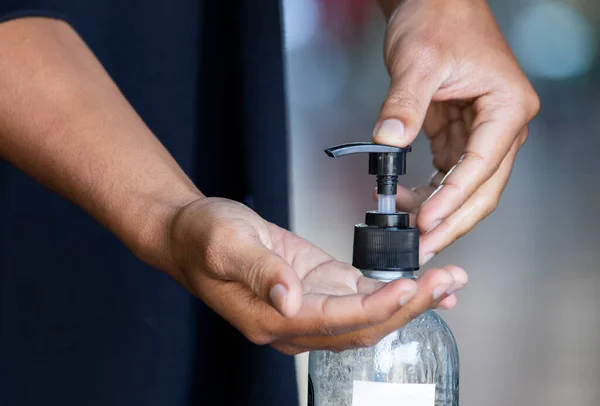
(528, 324)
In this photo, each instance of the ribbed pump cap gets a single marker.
(386, 242)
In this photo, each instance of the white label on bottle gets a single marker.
(392, 394)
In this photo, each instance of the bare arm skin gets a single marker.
(64, 122)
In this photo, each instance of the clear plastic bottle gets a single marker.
(416, 365)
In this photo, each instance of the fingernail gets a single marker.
(454, 288)
(278, 295)
(390, 129)
(427, 258)
(441, 289)
(405, 297)
(433, 226)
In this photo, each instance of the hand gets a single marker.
(276, 288)
(453, 74)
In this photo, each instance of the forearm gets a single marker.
(65, 123)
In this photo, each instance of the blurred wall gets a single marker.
(527, 325)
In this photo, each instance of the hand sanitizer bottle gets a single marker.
(416, 365)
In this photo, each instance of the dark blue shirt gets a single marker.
(82, 321)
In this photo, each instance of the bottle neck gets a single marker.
(387, 276)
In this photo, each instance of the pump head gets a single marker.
(385, 241)
(385, 161)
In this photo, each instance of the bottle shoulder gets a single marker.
(428, 323)
(427, 333)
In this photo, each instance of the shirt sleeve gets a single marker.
(58, 9)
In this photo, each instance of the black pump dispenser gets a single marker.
(385, 242)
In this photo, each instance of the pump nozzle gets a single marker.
(363, 147)
(385, 161)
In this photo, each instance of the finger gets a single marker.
(460, 281)
(240, 306)
(443, 119)
(407, 101)
(436, 119)
(479, 206)
(436, 180)
(265, 273)
(331, 315)
(494, 132)
(299, 345)
(461, 278)
(410, 200)
(432, 288)
(448, 303)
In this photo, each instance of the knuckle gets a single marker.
(527, 100)
(522, 138)
(488, 205)
(532, 104)
(475, 157)
(259, 270)
(287, 349)
(374, 316)
(483, 166)
(259, 337)
(451, 184)
(373, 319)
(257, 331)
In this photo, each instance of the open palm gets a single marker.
(278, 288)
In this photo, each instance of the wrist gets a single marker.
(149, 238)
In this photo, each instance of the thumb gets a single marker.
(405, 107)
(268, 275)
